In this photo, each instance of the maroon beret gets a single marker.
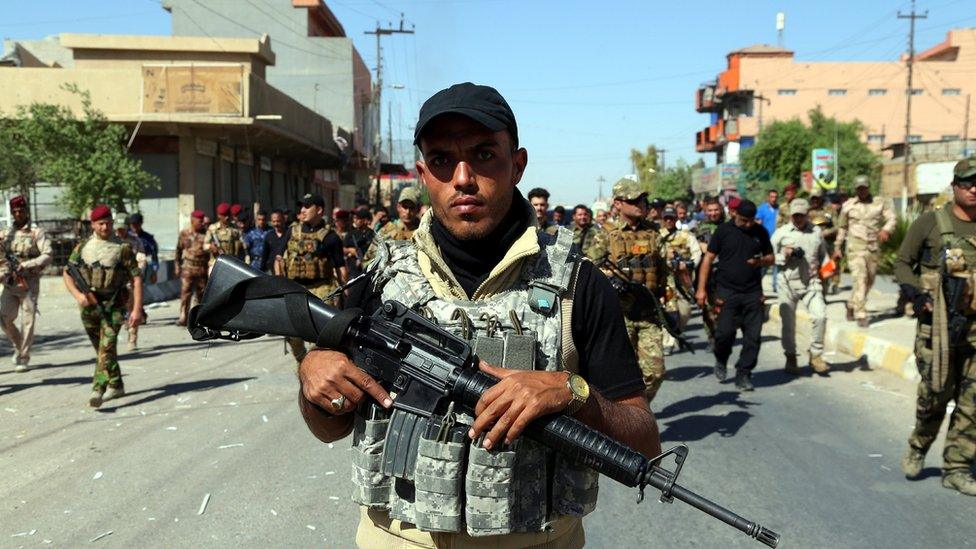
(18, 202)
(198, 214)
(342, 214)
(100, 212)
(734, 202)
(236, 209)
(223, 208)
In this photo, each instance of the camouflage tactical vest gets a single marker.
(23, 244)
(637, 252)
(102, 264)
(193, 261)
(960, 254)
(228, 239)
(456, 485)
(301, 261)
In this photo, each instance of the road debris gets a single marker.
(97, 476)
(235, 445)
(310, 527)
(100, 536)
(273, 512)
(264, 419)
(171, 428)
(24, 534)
(203, 504)
(874, 455)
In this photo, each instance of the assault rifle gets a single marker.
(682, 279)
(642, 302)
(86, 289)
(15, 277)
(431, 371)
(954, 290)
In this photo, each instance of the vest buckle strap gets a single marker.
(543, 297)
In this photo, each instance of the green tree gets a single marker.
(87, 156)
(784, 148)
(674, 183)
(645, 165)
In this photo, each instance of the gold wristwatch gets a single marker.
(581, 393)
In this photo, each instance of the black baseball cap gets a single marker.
(134, 218)
(312, 200)
(747, 208)
(483, 104)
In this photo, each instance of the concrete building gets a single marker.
(763, 83)
(316, 64)
(205, 120)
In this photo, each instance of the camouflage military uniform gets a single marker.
(824, 218)
(947, 368)
(679, 247)
(230, 240)
(591, 241)
(32, 249)
(637, 251)
(303, 264)
(858, 226)
(107, 265)
(703, 233)
(394, 230)
(192, 256)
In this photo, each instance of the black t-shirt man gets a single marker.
(734, 246)
(598, 326)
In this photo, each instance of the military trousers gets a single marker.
(959, 451)
(319, 290)
(377, 530)
(792, 292)
(682, 309)
(190, 286)
(14, 300)
(863, 265)
(103, 331)
(743, 311)
(648, 341)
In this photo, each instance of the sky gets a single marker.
(588, 81)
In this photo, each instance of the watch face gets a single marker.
(578, 385)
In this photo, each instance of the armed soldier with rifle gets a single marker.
(714, 216)
(437, 454)
(941, 247)
(26, 252)
(97, 273)
(682, 253)
(634, 251)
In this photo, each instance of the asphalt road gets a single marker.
(815, 459)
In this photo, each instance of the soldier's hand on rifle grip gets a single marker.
(883, 236)
(86, 300)
(518, 398)
(329, 375)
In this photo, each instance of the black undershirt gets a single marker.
(606, 358)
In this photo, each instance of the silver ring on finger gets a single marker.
(338, 403)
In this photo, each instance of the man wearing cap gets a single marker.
(539, 199)
(783, 211)
(714, 216)
(107, 265)
(744, 249)
(25, 251)
(235, 216)
(682, 254)
(313, 257)
(402, 228)
(471, 266)
(634, 247)
(223, 236)
(943, 242)
(254, 240)
(800, 249)
(190, 263)
(865, 223)
(590, 239)
(823, 217)
(357, 241)
(149, 246)
(655, 208)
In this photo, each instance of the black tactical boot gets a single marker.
(720, 371)
(742, 381)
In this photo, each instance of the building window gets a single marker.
(876, 138)
(837, 91)
(916, 91)
(877, 91)
(951, 91)
(786, 91)
(914, 138)
(951, 137)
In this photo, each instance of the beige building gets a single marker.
(764, 83)
(205, 120)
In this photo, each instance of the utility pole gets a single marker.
(377, 94)
(908, 102)
(762, 99)
(661, 164)
(599, 182)
(389, 139)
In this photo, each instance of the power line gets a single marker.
(908, 100)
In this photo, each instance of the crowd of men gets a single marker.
(574, 311)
